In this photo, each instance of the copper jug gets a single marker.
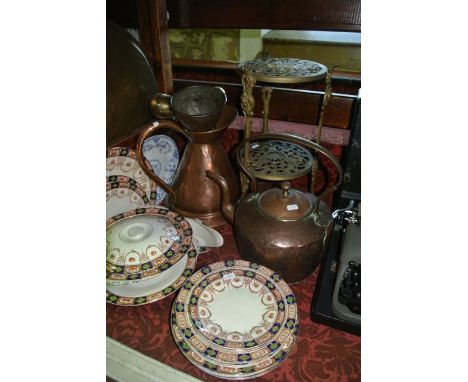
(283, 229)
(192, 193)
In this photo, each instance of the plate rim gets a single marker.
(119, 151)
(166, 291)
(128, 180)
(206, 341)
(236, 376)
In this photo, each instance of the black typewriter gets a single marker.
(346, 297)
(337, 296)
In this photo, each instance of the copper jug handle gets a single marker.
(299, 141)
(147, 132)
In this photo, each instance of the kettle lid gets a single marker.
(285, 203)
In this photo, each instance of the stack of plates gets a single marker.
(125, 178)
(127, 185)
(235, 319)
(123, 194)
(151, 252)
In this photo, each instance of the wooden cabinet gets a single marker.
(153, 18)
(292, 103)
(150, 17)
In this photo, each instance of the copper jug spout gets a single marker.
(227, 208)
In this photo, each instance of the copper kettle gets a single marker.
(281, 228)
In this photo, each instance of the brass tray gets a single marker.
(285, 70)
(278, 160)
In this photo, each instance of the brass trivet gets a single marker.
(285, 70)
(278, 160)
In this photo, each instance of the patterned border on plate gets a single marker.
(141, 300)
(286, 303)
(122, 181)
(231, 356)
(206, 361)
(154, 267)
(130, 153)
(231, 372)
(230, 360)
(194, 308)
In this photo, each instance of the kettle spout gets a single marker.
(227, 208)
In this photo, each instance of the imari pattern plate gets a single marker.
(275, 303)
(235, 319)
(279, 336)
(123, 194)
(158, 289)
(232, 370)
(229, 358)
(144, 242)
(123, 161)
(279, 319)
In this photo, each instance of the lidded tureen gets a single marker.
(143, 243)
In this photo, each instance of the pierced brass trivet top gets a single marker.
(285, 70)
(278, 160)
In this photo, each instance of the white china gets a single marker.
(154, 289)
(233, 371)
(277, 308)
(235, 319)
(151, 285)
(145, 242)
(204, 237)
(122, 161)
(231, 352)
(123, 194)
(163, 155)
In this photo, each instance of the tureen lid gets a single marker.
(144, 242)
(285, 203)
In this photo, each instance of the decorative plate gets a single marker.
(122, 161)
(231, 371)
(278, 321)
(237, 279)
(262, 312)
(230, 357)
(145, 242)
(163, 155)
(235, 317)
(123, 194)
(157, 288)
(219, 350)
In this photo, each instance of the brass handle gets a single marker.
(145, 134)
(161, 106)
(297, 140)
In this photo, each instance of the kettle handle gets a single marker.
(300, 141)
(147, 132)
